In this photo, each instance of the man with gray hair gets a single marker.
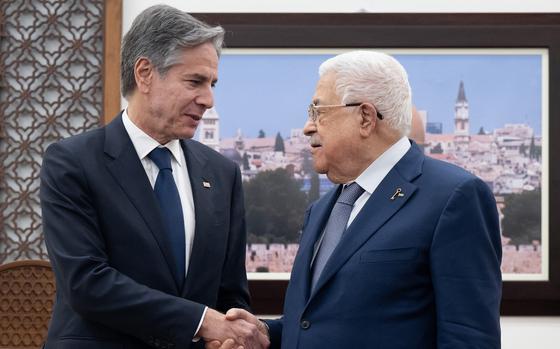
(145, 227)
(405, 252)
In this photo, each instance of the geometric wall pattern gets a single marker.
(26, 299)
(51, 87)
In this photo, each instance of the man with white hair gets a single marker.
(405, 252)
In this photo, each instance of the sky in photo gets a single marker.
(272, 91)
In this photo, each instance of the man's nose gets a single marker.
(206, 98)
(309, 128)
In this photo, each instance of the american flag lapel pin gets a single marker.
(206, 184)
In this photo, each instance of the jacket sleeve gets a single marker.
(84, 275)
(275, 332)
(465, 262)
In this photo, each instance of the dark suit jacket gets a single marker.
(420, 271)
(104, 235)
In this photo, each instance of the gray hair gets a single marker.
(160, 33)
(377, 78)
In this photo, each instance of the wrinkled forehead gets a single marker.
(200, 60)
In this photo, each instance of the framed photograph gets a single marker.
(484, 89)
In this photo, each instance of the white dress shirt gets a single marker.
(376, 172)
(144, 144)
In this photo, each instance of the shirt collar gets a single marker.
(380, 167)
(144, 144)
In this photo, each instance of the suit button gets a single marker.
(305, 324)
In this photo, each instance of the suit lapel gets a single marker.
(204, 234)
(378, 209)
(125, 166)
(301, 272)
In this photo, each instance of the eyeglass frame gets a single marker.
(313, 115)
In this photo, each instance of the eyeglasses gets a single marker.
(313, 110)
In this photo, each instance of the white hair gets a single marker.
(377, 78)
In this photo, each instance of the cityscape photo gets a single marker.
(481, 110)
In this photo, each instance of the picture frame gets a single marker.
(428, 31)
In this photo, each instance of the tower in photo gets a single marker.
(209, 129)
(461, 134)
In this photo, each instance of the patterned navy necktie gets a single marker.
(336, 225)
(171, 210)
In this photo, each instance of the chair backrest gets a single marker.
(27, 291)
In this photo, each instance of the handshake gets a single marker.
(238, 329)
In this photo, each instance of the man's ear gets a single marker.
(368, 120)
(143, 74)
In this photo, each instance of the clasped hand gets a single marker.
(238, 329)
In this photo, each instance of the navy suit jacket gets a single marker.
(105, 239)
(419, 271)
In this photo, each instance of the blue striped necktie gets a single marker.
(336, 225)
(171, 210)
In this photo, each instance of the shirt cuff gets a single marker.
(196, 338)
(267, 328)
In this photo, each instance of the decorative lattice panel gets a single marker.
(26, 299)
(51, 87)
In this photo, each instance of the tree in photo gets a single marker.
(522, 217)
(274, 207)
(307, 162)
(535, 151)
(314, 190)
(279, 143)
(246, 165)
(437, 149)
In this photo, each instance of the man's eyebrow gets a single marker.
(199, 77)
